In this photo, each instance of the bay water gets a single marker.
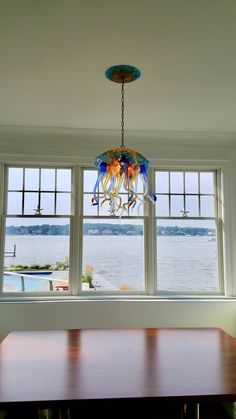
(184, 263)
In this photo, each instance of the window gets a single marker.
(37, 230)
(187, 231)
(113, 248)
(57, 243)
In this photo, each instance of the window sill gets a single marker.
(117, 298)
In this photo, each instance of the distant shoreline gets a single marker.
(99, 229)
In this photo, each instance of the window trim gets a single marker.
(5, 216)
(143, 217)
(218, 218)
(76, 249)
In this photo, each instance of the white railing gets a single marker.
(23, 276)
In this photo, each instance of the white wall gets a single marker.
(41, 145)
(108, 314)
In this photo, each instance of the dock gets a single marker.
(11, 253)
(102, 284)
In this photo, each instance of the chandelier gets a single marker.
(121, 167)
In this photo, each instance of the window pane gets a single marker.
(14, 203)
(32, 179)
(36, 250)
(207, 206)
(122, 189)
(207, 183)
(48, 179)
(162, 206)
(63, 204)
(162, 182)
(138, 209)
(47, 203)
(113, 255)
(191, 182)
(15, 178)
(176, 182)
(89, 209)
(177, 205)
(186, 256)
(103, 209)
(192, 206)
(64, 180)
(90, 177)
(31, 203)
(138, 185)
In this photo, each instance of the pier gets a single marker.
(101, 284)
(11, 253)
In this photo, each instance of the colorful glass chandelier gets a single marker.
(121, 166)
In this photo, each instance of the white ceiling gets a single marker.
(54, 54)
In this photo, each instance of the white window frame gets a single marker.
(5, 216)
(143, 217)
(218, 218)
(227, 268)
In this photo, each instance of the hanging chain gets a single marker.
(122, 113)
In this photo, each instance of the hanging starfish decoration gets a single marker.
(184, 213)
(38, 210)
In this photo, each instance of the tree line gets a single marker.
(98, 229)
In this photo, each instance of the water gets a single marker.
(187, 263)
(184, 263)
(37, 249)
(13, 283)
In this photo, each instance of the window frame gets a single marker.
(218, 218)
(4, 216)
(110, 217)
(150, 265)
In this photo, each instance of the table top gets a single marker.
(74, 365)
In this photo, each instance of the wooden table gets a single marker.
(68, 367)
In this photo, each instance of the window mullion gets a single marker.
(55, 193)
(3, 203)
(199, 196)
(150, 244)
(23, 193)
(219, 232)
(184, 194)
(76, 233)
(169, 192)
